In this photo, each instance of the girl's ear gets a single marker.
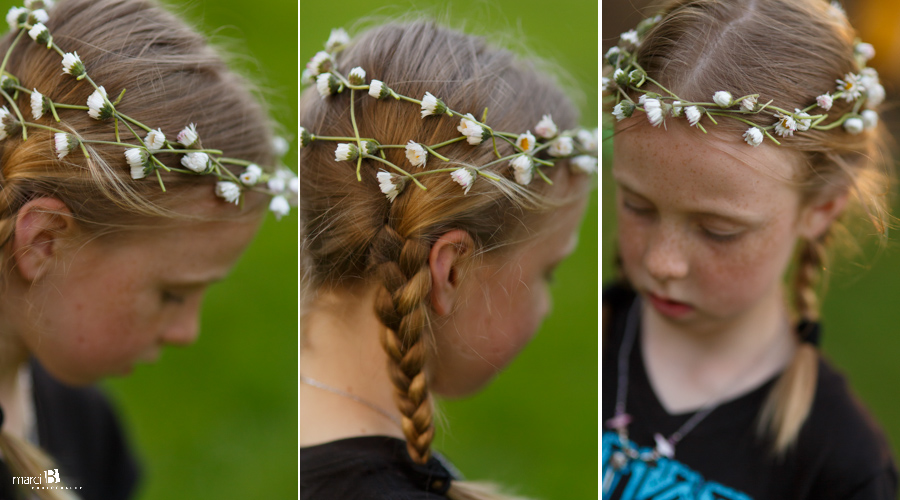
(817, 217)
(445, 260)
(42, 225)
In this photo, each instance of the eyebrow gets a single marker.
(735, 218)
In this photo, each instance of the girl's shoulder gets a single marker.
(841, 435)
(370, 468)
(78, 426)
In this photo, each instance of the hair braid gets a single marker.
(791, 399)
(402, 266)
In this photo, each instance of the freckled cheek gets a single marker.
(742, 274)
(632, 243)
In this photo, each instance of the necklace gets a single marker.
(315, 383)
(665, 447)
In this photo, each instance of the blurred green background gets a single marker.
(860, 312)
(219, 419)
(534, 429)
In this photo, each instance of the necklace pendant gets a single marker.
(618, 460)
(664, 447)
(619, 422)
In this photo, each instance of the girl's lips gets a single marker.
(668, 307)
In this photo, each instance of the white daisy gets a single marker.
(785, 126)
(327, 85)
(722, 98)
(320, 63)
(378, 89)
(654, 111)
(416, 154)
(346, 152)
(825, 101)
(584, 164)
(464, 178)
(561, 147)
(197, 162)
(188, 136)
(16, 16)
(357, 76)
(523, 169)
(99, 107)
(37, 104)
(40, 15)
(630, 36)
(6, 119)
(803, 120)
(40, 34)
(472, 130)
(850, 86)
(749, 103)
(137, 160)
(389, 184)
(279, 206)
(72, 65)
(230, 191)
(874, 95)
(693, 115)
(338, 39)
(864, 50)
(588, 139)
(431, 105)
(753, 136)
(64, 143)
(869, 118)
(546, 128)
(251, 175)
(525, 141)
(854, 125)
(155, 139)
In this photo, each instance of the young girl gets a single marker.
(442, 181)
(135, 170)
(713, 385)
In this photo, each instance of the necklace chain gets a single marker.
(664, 446)
(315, 383)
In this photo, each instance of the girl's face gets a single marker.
(706, 225)
(502, 303)
(116, 301)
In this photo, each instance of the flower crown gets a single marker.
(863, 89)
(579, 145)
(140, 157)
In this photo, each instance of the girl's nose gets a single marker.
(184, 331)
(665, 258)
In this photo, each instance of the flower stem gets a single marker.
(395, 167)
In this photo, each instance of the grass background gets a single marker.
(219, 419)
(534, 429)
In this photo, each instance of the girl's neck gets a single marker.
(340, 346)
(689, 368)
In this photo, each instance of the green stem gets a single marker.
(18, 113)
(447, 143)
(546, 179)
(356, 132)
(159, 176)
(331, 138)
(435, 153)
(9, 51)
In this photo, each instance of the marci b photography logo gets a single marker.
(48, 477)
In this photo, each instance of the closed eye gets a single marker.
(171, 298)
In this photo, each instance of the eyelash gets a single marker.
(172, 298)
(720, 238)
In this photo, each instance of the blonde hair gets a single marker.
(789, 51)
(173, 78)
(351, 236)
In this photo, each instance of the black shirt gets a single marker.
(840, 452)
(78, 429)
(369, 468)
